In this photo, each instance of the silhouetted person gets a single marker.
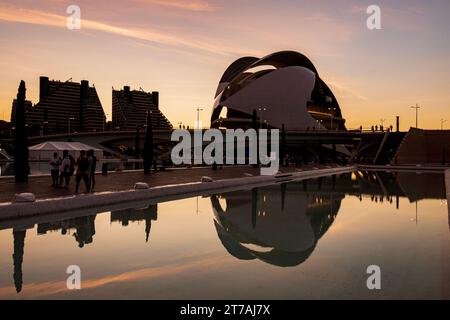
(92, 164)
(65, 169)
(55, 163)
(82, 171)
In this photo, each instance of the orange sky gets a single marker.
(181, 49)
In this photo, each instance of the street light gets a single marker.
(106, 114)
(44, 124)
(260, 117)
(417, 114)
(332, 115)
(70, 118)
(198, 117)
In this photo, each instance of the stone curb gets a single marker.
(154, 194)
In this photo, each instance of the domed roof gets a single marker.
(285, 84)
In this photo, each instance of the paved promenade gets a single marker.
(118, 181)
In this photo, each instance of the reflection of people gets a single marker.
(283, 221)
(54, 169)
(85, 230)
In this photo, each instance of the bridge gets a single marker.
(357, 141)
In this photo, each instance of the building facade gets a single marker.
(284, 88)
(65, 106)
(130, 107)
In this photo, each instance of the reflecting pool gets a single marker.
(309, 239)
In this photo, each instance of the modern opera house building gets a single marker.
(283, 88)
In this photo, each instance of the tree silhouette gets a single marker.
(148, 146)
(151, 214)
(19, 244)
(21, 165)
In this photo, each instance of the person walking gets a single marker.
(92, 166)
(55, 163)
(65, 169)
(82, 171)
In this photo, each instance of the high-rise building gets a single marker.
(66, 104)
(129, 109)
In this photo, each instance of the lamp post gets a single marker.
(68, 126)
(332, 109)
(261, 109)
(105, 121)
(417, 114)
(198, 117)
(44, 125)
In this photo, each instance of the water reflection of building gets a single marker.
(249, 222)
(279, 224)
(131, 215)
(84, 228)
(282, 224)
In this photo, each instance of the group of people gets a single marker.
(62, 169)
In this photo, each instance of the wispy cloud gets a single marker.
(181, 4)
(50, 288)
(37, 17)
(345, 90)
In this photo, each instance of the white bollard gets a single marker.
(23, 198)
(207, 179)
(141, 186)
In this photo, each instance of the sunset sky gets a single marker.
(181, 48)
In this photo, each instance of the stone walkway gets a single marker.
(117, 181)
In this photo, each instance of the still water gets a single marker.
(301, 240)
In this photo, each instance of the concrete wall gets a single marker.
(424, 147)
